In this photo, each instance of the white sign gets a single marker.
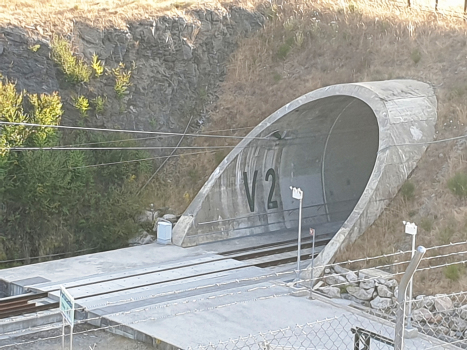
(67, 305)
(410, 228)
(297, 193)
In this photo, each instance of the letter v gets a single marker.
(250, 197)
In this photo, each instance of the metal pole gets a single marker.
(299, 237)
(71, 337)
(63, 332)
(409, 317)
(400, 313)
(312, 261)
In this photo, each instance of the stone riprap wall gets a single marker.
(377, 293)
(442, 316)
(176, 66)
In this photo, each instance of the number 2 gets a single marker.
(271, 204)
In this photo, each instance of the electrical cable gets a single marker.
(166, 159)
(125, 131)
(137, 160)
(138, 139)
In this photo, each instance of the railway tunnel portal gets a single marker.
(349, 148)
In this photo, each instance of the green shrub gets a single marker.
(34, 48)
(47, 110)
(458, 184)
(122, 80)
(99, 104)
(54, 202)
(283, 51)
(97, 66)
(416, 56)
(407, 190)
(81, 103)
(75, 69)
(453, 272)
(445, 235)
(426, 224)
(219, 157)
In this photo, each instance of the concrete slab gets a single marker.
(189, 305)
(215, 317)
(102, 263)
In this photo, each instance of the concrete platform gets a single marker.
(177, 297)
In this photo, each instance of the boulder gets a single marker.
(351, 277)
(341, 270)
(443, 303)
(335, 279)
(146, 216)
(360, 293)
(422, 315)
(390, 283)
(463, 312)
(384, 291)
(170, 217)
(426, 302)
(458, 324)
(381, 303)
(141, 239)
(367, 284)
(332, 292)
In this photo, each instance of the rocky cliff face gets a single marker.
(176, 66)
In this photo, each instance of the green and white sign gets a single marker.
(67, 306)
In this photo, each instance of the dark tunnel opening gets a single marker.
(331, 153)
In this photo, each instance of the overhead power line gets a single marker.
(138, 160)
(112, 148)
(148, 138)
(162, 133)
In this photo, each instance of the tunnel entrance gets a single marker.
(339, 144)
(329, 151)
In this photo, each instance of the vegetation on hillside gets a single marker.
(55, 201)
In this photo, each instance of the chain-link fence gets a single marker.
(349, 331)
(375, 315)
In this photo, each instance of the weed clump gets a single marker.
(82, 105)
(122, 80)
(426, 224)
(97, 66)
(408, 190)
(416, 56)
(453, 272)
(99, 104)
(75, 69)
(458, 184)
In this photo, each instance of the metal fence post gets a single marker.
(400, 314)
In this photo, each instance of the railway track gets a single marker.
(264, 255)
(24, 303)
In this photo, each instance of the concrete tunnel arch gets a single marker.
(349, 147)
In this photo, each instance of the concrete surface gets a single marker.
(190, 304)
(349, 147)
(101, 263)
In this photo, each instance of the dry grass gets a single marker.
(52, 16)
